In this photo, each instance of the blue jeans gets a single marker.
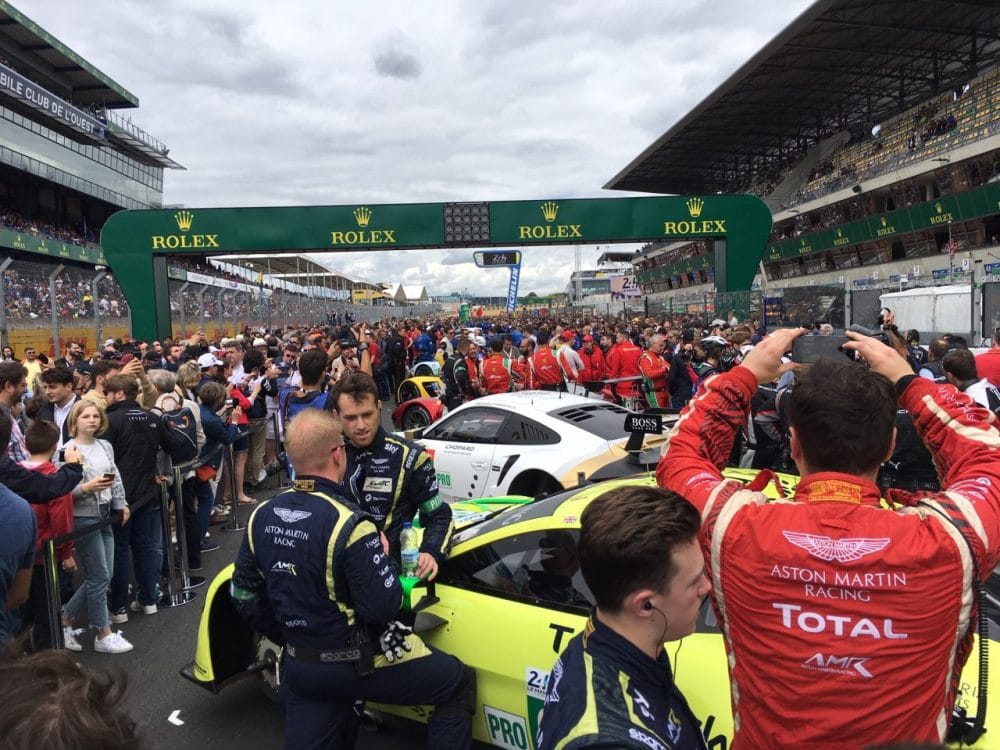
(96, 552)
(144, 535)
(203, 491)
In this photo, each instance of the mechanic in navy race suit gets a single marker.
(424, 347)
(613, 687)
(312, 573)
(389, 477)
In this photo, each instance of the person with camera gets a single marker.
(613, 686)
(313, 573)
(836, 594)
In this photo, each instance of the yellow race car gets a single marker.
(506, 602)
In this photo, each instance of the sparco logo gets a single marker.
(841, 550)
(849, 665)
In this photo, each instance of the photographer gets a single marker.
(835, 593)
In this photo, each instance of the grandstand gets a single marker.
(873, 134)
(69, 159)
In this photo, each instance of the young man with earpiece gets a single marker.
(613, 686)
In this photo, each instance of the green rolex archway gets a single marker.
(138, 243)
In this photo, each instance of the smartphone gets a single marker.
(232, 403)
(109, 476)
(808, 349)
(61, 455)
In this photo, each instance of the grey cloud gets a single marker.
(397, 64)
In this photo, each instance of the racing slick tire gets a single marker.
(416, 417)
(407, 392)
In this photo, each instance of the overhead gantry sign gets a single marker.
(138, 243)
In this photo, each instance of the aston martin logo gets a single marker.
(291, 516)
(841, 550)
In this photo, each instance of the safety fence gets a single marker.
(46, 305)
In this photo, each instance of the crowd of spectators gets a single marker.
(17, 221)
(26, 293)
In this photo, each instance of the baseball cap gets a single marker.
(208, 360)
(109, 342)
(587, 338)
(259, 342)
(568, 335)
(479, 341)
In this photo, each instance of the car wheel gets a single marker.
(416, 418)
(407, 391)
(270, 653)
(534, 484)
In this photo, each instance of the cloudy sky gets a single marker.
(332, 102)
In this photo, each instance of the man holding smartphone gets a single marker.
(836, 592)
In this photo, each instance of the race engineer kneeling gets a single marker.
(612, 687)
(314, 574)
(847, 623)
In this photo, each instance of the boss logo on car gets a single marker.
(648, 424)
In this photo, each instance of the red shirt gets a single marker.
(594, 366)
(988, 366)
(654, 368)
(526, 373)
(829, 596)
(54, 518)
(496, 376)
(547, 369)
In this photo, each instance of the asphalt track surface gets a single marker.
(241, 716)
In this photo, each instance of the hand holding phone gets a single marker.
(808, 349)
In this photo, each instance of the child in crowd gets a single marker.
(55, 518)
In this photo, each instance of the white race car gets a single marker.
(532, 443)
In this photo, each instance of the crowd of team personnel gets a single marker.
(90, 444)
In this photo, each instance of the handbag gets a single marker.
(205, 473)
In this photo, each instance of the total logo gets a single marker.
(846, 665)
(793, 618)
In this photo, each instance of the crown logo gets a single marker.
(840, 232)
(362, 215)
(803, 241)
(884, 221)
(938, 207)
(694, 207)
(549, 210)
(184, 220)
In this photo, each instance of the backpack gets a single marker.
(179, 433)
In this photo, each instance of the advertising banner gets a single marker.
(625, 286)
(15, 85)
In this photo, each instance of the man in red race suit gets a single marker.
(595, 368)
(496, 376)
(548, 373)
(864, 614)
(654, 369)
(623, 362)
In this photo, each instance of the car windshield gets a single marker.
(606, 421)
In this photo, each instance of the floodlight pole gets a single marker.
(53, 304)
(94, 297)
(180, 297)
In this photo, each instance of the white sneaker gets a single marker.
(261, 475)
(112, 644)
(146, 609)
(69, 638)
(118, 617)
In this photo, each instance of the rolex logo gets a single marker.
(184, 220)
(549, 210)
(362, 215)
(694, 207)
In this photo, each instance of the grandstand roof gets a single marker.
(294, 267)
(57, 67)
(842, 64)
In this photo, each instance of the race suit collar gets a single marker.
(319, 484)
(599, 638)
(835, 487)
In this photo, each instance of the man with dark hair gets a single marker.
(389, 477)
(496, 375)
(73, 356)
(829, 592)
(455, 374)
(13, 382)
(58, 386)
(933, 368)
(959, 367)
(332, 591)
(548, 372)
(309, 395)
(134, 434)
(613, 686)
(101, 370)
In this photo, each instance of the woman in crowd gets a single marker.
(218, 434)
(100, 493)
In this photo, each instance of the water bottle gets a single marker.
(409, 550)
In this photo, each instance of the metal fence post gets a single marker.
(201, 306)
(4, 338)
(175, 595)
(180, 297)
(53, 303)
(188, 582)
(97, 313)
(234, 515)
(50, 570)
